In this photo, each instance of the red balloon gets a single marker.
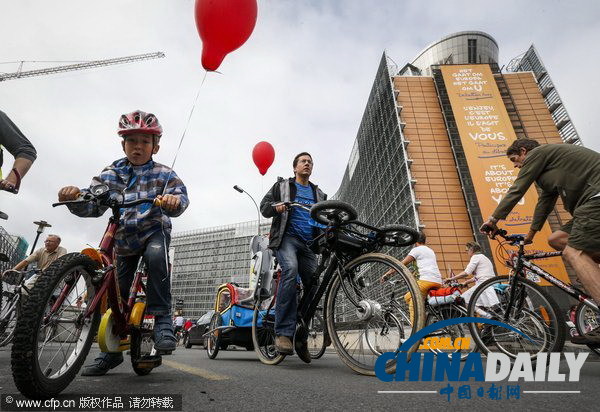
(223, 26)
(263, 155)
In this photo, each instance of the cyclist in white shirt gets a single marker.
(482, 269)
(429, 273)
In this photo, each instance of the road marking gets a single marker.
(195, 371)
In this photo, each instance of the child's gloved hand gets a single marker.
(169, 202)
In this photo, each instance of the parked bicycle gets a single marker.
(526, 306)
(349, 268)
(53, 335)
(12, 295)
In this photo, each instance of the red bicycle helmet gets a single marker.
(139, 122)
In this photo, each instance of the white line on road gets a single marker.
(195, 371)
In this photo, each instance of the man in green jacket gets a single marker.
(573, 173)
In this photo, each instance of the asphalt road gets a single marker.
(236, 380)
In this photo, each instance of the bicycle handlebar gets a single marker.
(289, 205)
(514, 239)
(89, 197)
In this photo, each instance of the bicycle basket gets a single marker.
(12, 277)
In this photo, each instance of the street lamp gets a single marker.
(41, 225)
(239, 189)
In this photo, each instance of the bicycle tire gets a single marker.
(263, 336)
(453, 332)
(213, 341)
(30, 378)
(336, 304)
(9, 324)
(328, 212)
(541, 316)
(316, 337)
(586, 319)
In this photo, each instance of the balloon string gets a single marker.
(184, 131)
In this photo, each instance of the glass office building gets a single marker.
(407, 165)
(531, 61)
(206, 258)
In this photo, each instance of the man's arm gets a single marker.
(34, 257)
(15, 141)
(534, 166)
(265, 205)
(544, 207)
(17, 145)
(21, 265)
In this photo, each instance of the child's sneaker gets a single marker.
(102, 364)
(164, 338)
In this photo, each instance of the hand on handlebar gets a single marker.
(68, 193)
(168, 202)
(489, 228)
(279, 207)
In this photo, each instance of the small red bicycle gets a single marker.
(62, 315)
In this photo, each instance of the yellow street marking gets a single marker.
(195, 371)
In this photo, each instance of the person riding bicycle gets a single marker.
(482, 269)
(144, 231)
(43, 257)
(178, 323)
(290, 234)
(429, 272)
(21, 148)
(573, 173)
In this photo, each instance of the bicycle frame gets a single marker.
(521, 263)
(110, 283)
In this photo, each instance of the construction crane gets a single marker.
(79, 66)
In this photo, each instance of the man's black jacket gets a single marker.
(284, 190)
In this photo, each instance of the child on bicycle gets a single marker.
(144, 230)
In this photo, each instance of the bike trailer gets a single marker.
(235, 304)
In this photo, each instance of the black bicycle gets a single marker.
(348, 276)
(520, 302)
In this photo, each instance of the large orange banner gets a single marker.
(486, 132)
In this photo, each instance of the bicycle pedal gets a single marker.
(149, 362)
(163, 352)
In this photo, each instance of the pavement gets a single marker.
(236, 380)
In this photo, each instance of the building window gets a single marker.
(472, 50)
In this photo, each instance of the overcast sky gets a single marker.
(301, 82)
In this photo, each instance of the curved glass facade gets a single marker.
(458, 48)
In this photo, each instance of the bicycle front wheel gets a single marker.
(587, 319)
(53, 336)
(359, 307)
(534, 314)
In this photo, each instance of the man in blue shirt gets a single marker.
(290, 235)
